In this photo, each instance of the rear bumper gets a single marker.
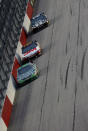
(35, 76)
(44, 24)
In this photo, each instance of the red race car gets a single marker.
(31, 50)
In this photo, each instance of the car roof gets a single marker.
(38, 17)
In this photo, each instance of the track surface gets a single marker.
(58, 99)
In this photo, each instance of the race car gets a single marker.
(30, 50)
(38, 21)
(27, 72)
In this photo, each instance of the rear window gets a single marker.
(29, 47)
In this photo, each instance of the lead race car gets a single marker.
(30, 50)
(27, 72)
(38, 21)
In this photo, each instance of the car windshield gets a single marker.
(29, 47)
(25, 69)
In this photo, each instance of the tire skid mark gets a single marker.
(61, 77)
(69, 36)
(82, 65)
(71, 12)
(81, 39)
(58, 98)
(68, 39)
(76, 63)
(66, 78)
(74, 113)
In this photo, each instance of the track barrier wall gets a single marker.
(11, 90)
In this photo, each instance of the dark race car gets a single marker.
(30, 50)
(27, 72)
(38, 21)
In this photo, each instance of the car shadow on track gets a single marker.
(54, 20)
(25, 83)
(48, 47)
(43, 71)
(32, 32)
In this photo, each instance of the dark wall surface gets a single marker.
(11, 19)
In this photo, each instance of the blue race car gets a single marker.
(38, 21)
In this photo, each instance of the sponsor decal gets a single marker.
(29, 51)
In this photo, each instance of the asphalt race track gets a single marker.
(58, 99)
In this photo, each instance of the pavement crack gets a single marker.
(41, 115)
(73, 128)
(66, 78)
(82, 65)
(78, 29)
(58, 97)
(66, 49)
(71, 10)
(81, 39)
